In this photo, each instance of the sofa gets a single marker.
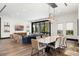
(27, 39)
(24, 39)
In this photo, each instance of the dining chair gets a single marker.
(63, 45)
(63, 42)
(37, 37)
(17, 38)
(37, 47)
(55, 45)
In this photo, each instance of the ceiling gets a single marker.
(62, 9)
(25, 11)
(32, 11)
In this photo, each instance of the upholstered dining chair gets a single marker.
(38, 37)
(55, 45)
(37, 47)
(17, 38)
(63, 42)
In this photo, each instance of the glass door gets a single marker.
(46, 28)
(33, 28)
(41, 27)
(37, 28)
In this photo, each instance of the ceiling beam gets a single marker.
(2, 8)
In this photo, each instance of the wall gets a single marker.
(78, 22)
(19, 15)
(23, 14)
(63, 19)
(13, 22)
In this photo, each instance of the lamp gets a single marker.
(51, 17)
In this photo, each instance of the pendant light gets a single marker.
(51, 17)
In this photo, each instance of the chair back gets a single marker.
(34, 43)
(57, 42)
(37, 45)
(14, 36)
(17, 38)
(38, 37)
(63, 42)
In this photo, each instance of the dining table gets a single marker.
(47, 40)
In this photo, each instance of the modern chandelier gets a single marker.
(51, 16)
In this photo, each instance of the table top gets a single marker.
(37, 34)
(48, 39)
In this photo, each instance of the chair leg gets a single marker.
(36, 53)
(32, 52)
(66, 44)
(43, 51)
(55, 52)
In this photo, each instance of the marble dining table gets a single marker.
(47, 40)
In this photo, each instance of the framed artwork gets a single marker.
(19, 27)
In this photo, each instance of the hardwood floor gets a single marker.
(9, 48)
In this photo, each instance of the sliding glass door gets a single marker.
(47, 27)
(41, 27)
(36, 28)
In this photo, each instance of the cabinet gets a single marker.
(4, 28)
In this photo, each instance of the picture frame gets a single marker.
(19, 27)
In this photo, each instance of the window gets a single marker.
(46, 27)
(60, 26)
(69, 29)
(41, 27)
(34, 28)
(60, 29)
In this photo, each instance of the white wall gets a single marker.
(78, 21)
(63, 19)
(23, 14)
(12, 23)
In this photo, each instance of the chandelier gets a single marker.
(51, 16)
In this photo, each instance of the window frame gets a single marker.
(70, 30)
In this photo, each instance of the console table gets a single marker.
(21, 33)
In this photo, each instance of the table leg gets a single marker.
(47, 49)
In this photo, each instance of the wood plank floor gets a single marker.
(9, 48)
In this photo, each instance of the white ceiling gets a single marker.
(73, 7)
(30, 11)
(62, 9)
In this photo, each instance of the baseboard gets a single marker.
(5, 38)
(72, 39)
